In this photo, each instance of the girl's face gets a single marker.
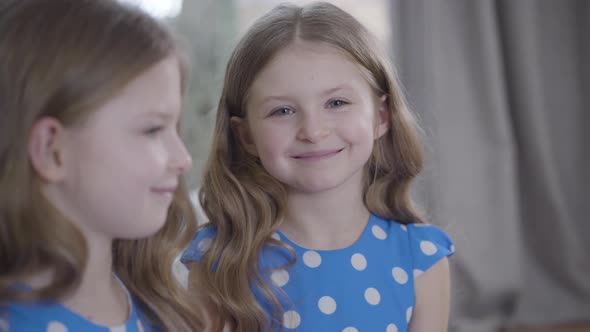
(312, 119)
(121, 166)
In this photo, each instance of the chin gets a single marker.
(316, 187)
(144, 230)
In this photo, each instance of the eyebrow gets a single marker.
(323, 93)
(344, 86)
(165, 115)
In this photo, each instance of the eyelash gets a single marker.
(277, 112)
(343, 103)
(152, 131)
(329, 104)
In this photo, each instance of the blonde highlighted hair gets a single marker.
(245, 204)
(62, 59)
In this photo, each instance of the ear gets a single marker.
(46, 149)
(383, 122)
(240, 129)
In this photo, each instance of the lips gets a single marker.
(164, 190)
(315, 155)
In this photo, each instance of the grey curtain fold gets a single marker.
(546, 45)
(501, 88)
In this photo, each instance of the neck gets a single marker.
(100, 297)
(328, 220)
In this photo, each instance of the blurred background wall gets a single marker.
(501, 88)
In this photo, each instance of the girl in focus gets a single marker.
(307, 188)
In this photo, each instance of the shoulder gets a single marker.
(199, 244)
(429, 232)
(35, 317)
(428, 245)
(424, 248)
(386, 230)
(422, 244)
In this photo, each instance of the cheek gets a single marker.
(270, 140)
(271, 151)
(269, 130)
(148, 153)
(132, 161)
(357, 128)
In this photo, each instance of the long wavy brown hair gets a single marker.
(62, 59)
(246, 205)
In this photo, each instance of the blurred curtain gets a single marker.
(502, 91)
(208, 31)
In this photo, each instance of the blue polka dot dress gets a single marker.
(366, 287)
(54, 317)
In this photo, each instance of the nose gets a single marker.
(313, 128)
(180, 159)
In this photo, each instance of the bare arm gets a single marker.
(433, 294)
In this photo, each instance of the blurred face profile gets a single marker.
(123, 163)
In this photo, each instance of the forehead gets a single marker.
(158, 88)
(307, 64)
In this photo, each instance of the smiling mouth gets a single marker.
(317, 155)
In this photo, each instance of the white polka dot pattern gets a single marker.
(350, 329)
(312, 259)
(291, 319)
(56, 327)
(428, 248)
(372, 296)
(337, 282)
(378, 232)
(400, 275)
(359, 262)
(327, 305)
(205, 244)
(140, 326)
(391, 328)
(279, 278)
(409, 314)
